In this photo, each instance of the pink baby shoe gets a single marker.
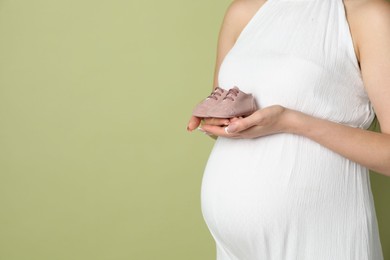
(234, 104)
(201, 110)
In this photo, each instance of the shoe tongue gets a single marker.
(235, 89)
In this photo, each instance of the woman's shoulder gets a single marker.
(368, 12)
(364, 6)
(240, 12)
(366, 17)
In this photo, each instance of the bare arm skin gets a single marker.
(370, 26)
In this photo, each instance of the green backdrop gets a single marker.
(95, 161)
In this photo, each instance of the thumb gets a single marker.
(193, 123)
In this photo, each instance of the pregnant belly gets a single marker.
(265, 183)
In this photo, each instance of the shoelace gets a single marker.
(216, 93)
(232, 92)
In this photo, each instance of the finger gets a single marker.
(216, 130)
(243, 123)
(234, 119)
(216, 121)
(193, 123)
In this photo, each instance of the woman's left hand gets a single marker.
(266, 121)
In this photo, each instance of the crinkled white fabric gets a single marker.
(283, 196)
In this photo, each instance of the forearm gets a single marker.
(367, 148)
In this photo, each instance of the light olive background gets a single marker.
(95, 161)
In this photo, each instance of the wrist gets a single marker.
(293, 121)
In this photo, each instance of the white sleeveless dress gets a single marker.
(284, 196)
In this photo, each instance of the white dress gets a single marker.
(284, 196)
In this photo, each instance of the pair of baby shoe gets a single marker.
(223, 103)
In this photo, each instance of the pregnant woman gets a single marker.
(291, 180)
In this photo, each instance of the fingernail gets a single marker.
(231, 128)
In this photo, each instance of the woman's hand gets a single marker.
(195, 122)
(266, 121)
